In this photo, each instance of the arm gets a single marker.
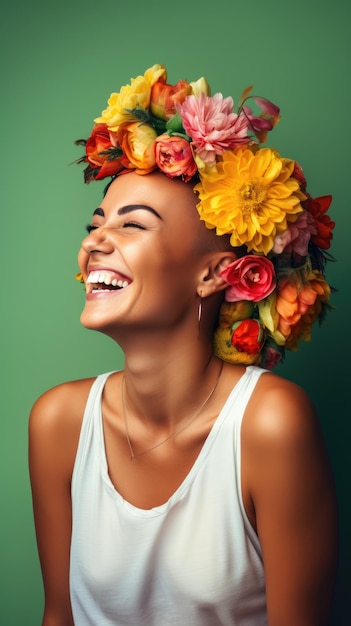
(54, 427)
(290, 491)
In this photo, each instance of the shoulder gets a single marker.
(284, 454)
(61, 404)
(279, 411)
(55, 422)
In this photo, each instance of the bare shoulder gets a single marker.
(280, 411)
(284, 456)
(282, 442)
(61, 404)
(55, 421)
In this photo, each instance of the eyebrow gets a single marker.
(128, 209)
(99, 211)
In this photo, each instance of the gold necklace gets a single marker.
(133, 455)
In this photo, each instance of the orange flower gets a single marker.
(164, 98)
(97, 156)
(174, 157)
(137, 142)
(293, 301)
(299, 305)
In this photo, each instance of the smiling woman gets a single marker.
(193, 486)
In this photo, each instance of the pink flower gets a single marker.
(251, 278)
(270, 356)
(281, 241)
(213, 126)
(263, 123)
(174, 156)
(268, 107)
(257, 123)
(300, 233)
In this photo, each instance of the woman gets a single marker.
(193, 487)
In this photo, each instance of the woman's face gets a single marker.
(144, 256)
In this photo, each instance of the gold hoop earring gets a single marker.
(199, 313)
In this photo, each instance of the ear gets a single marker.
(210, 281)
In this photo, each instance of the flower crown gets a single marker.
(277, 287)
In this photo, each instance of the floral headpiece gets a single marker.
(277, 287)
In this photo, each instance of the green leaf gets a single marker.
(145, 117)
(175, 124)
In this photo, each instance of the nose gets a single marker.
(97, 241)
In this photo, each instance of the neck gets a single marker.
(165, 380)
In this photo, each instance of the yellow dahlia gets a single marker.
(252, 195)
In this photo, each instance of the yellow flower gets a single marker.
(135, 95)
(268, 313)
(200, 86)
(231, 312)
(156, 73)
(138, 144)
(224, 349)
(252, 195)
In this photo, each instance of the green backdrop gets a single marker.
(60, 62)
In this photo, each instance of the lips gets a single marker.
(106, 281)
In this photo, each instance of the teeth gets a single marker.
(105, 278)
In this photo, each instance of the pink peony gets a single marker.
(213, 126)
(250, 278)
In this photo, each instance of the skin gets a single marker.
(170, 260)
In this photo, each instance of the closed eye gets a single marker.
(90, 227)
(133, 225)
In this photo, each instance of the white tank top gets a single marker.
(193, 561)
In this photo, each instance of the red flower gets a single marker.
(250, 277)
(300, 176)
(96, 150)
(248, 336)
(324, 225)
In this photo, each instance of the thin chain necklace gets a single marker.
(133, 455)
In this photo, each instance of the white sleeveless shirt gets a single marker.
(193, 561)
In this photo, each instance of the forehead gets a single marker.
(170, 198)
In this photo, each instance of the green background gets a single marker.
(60, 62)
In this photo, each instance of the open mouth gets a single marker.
(105, 280)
